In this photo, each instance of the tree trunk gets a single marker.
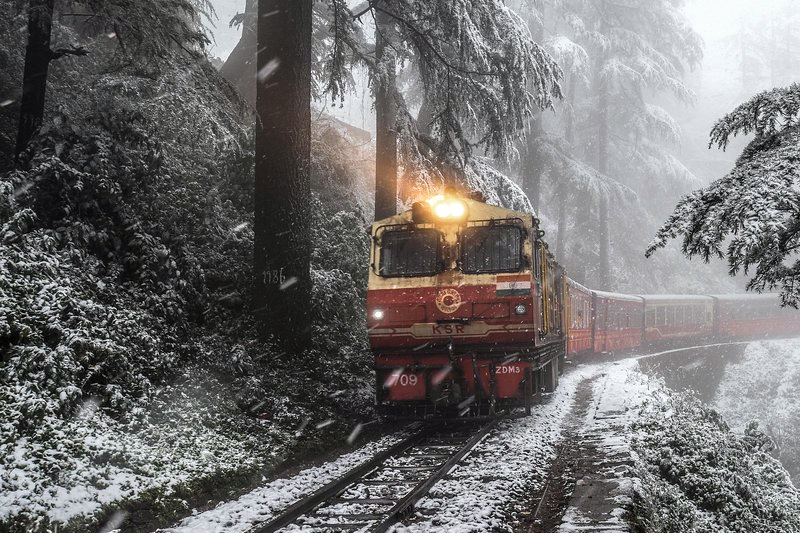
(602, 166)
(605, 265)
(532, 165)
(282, 250)
(561, 238)
(240, 67)
(34, 79)
(386, 117)
(569, 128)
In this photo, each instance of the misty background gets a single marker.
(747, 47)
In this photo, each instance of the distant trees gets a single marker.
(147, 29)
(751, 217)
(608, 143)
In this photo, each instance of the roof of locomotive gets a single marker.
(578, 286)
(476, 210)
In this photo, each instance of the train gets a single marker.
(470, 315)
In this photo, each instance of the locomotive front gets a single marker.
(464, 309)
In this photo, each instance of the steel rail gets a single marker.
(381, 521)
(406, 505)
(335, 487)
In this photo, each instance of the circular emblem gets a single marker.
(448, 301)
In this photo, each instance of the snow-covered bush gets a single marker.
(765, 386)
(695, 475)
(131, 373)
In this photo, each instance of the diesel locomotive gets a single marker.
(469, 314)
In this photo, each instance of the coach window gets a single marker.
(413, 252)
(490, 249)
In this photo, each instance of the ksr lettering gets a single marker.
(448, 329)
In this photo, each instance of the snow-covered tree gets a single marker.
(751, 217)
(482, 77)
(144, 31)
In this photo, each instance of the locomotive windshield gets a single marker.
(413, 252)
(490, 249)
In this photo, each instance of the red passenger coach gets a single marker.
(618, 321)
(677, 319)
(464, 309)
(579, 318)
(753, 316)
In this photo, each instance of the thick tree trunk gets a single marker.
(282, 251)
(386, 118)
(34, 78)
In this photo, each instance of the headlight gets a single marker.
(520, 309)
(448, 208)
(377, 314)
(442, 210)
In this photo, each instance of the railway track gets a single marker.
(382, 491)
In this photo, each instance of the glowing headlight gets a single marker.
(449, 209)
(521, 309)
(442, 210)
(456, 209)
(377, 314)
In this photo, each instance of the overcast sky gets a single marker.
(711, 18)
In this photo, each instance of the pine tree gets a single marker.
(482, 77)
(146, 30)
(751, 217)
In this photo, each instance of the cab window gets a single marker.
(490, 249)
(409, 253)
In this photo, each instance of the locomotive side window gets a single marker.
(489, 249)
(410, 253)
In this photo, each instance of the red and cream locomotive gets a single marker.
(469, 314)
(464, 309)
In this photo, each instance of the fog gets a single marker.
(746, 48)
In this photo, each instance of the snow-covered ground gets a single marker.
(77, 466)
(604, 486)
(507, 466)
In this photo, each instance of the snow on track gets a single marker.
(261, 504)
(510, 463)
(505, 467)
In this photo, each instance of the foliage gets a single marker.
(750, 217)
(696, 476)
(125, 248)
(482, 74)
(764, 386)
